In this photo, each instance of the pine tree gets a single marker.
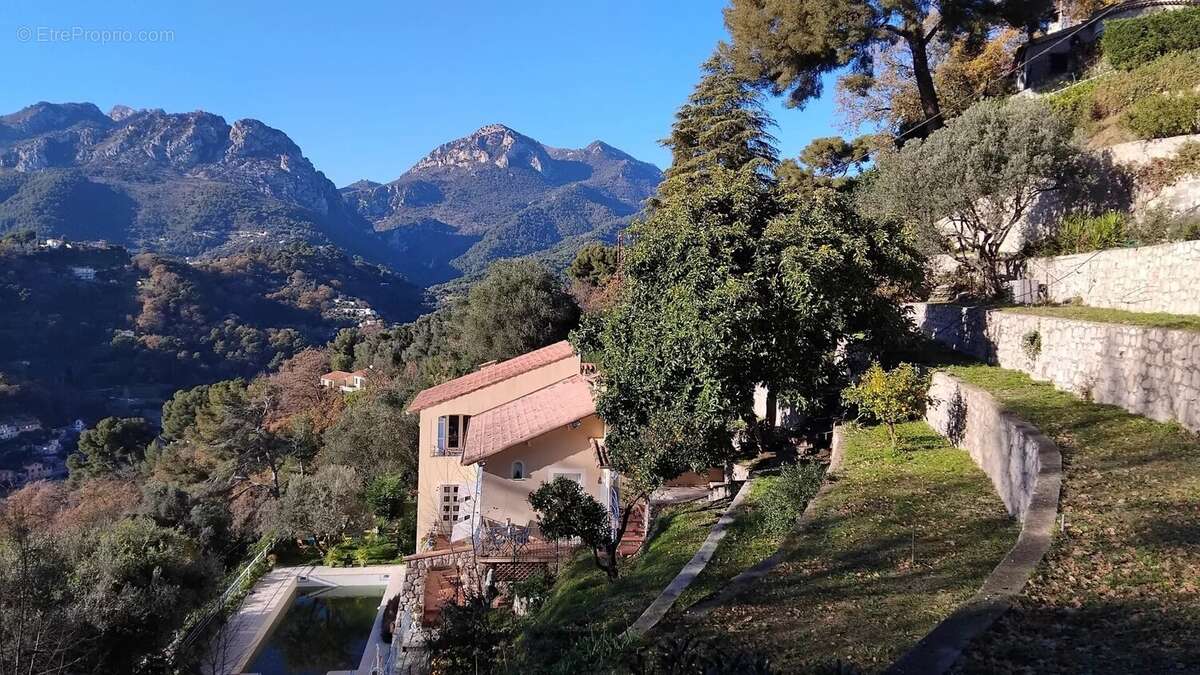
(722, 124)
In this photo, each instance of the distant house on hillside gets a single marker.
(84, 273)
(15, 426)
(35, 471)
(344, 381)
(1062, 51)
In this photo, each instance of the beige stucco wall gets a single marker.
(434, 472)
(563, 449)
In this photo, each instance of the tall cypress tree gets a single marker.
(722, 124)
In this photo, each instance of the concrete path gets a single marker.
(662, 604)
(740, 582)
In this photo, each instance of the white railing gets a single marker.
(216, 606)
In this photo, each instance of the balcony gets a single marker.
(445, 452)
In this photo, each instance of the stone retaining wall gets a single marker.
(998, 443)
(1153, 372)
(1162, 278)
(1025, 468)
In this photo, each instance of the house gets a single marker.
(52, 244)
(35, 471)
(490, 438)
(1062, 52)
(15, 426)
(344, 381)
(78, 426)
(84, 273)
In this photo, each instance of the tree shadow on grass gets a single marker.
(1109, 638)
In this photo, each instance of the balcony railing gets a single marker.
(445, 452)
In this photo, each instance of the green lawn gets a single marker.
(1102, 315)
(1119, 591)
(900, 541)
(584, 604)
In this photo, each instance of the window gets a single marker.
(570, 475)
(453, 505)
(452, 434)
(518, 470)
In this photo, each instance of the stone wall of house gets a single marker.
(1163, 278)
(1007, 448)
(1153, 372)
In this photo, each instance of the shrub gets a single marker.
(1179, 71)
(1031, 344)
(890, 397)
(1163, 171)
(341, 554)
(1161, 225)
(1164, 115)
(1081, 233)
(1128, 43)
(1076, 102)
(788, 494)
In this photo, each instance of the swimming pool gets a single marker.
(325, 628)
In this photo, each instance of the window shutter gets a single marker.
(441, 434)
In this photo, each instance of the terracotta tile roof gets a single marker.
(335, 375)
(528, 417)
(490, 375)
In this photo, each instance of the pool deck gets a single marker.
(270, 597)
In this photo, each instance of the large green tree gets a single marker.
(969, 186)
(790, 45)
(115, 444)
(376, 437)
(518, 307)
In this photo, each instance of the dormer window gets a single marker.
(518, 470)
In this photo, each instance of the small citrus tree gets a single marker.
(890, 396)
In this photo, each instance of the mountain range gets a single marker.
(191, 184)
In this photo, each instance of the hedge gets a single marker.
(1164, 115)
(1129, 43)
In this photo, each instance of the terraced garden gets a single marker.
(898, 543)
(1119, 591)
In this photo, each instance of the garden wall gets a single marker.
(1162, 278)
(1005, 447)
(1153, 372)
(1026, 471)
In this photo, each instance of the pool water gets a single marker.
(324, 629)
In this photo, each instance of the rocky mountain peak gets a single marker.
(120, 112)
(44, 117)
(495, 145)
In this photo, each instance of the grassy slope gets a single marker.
(583, 602)
(1119, 592)
(746, 543)
(1103, 315)
(902, 539)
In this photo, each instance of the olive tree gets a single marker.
(968, 186)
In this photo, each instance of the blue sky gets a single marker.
(368, 88)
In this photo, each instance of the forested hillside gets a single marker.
(146, 325)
